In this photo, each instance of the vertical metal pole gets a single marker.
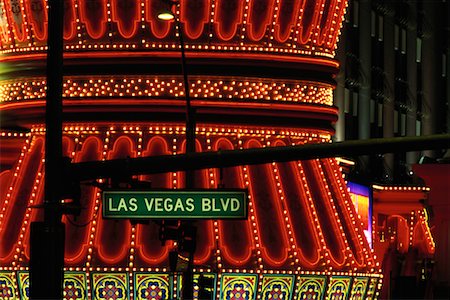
(47, 237)
(188, 287)
(190, 111)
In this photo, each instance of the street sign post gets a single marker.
(175, 204)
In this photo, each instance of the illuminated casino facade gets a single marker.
(260, 74)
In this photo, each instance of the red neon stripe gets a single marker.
(269, 219)
(114, 236)
(194, 15)
(127, 16)
(236, 240)
(228, 16)
(148, 245)
(93, 15)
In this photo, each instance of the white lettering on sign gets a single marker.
(123, 205)
(220, 204)
(169, 204)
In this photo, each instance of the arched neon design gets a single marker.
(339, 17)
(93, 16)
(160, 29)
(4, 31)
(37, 16)
(15, 212)
(114, 236)
(309, 15)
(326, 214)
(194, 15)
(77, 238)
(70, 28)
(325, 21)
(306, 238)
(16, 18)
(401, 238)
(5, 178)
(287, 15)
(346, 210)
(269, 219)
(127, 16)
(236, 242)
(259, 18)
(227, 17)
(422, 238)
(148, 244)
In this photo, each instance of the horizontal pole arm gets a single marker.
(230, 158)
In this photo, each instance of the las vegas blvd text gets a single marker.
(167, 204)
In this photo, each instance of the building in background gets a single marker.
(394, 81)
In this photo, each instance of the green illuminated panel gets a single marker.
(175, 204)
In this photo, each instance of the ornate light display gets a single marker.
(260, 74)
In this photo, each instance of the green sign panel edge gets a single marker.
(132, 209)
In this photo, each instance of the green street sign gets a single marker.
(175, 204)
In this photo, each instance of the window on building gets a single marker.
(355, 13)
(372, 111)
(444, 65)
(418, 127)
(395, 121)
(380, 28)
(396, 36)
(403, 124)
(380, 114)
(355, 104)
(418, 50)
(346, 100)
(403, 40)
(373, 23)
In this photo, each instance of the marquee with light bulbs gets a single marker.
(260, 74)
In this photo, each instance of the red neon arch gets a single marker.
(160, 29)
(236, 240)
(69, 20)
(114, 236)
(259, 17)
(10, 233)
(15, 15)
(77, 237)
(148, 244)
(93, 15)
(227, 17)
(37, 16)
(309, 19)
(325, 21)
(306, 238)
(325, 212)
(194, 15)
(127, 16)
(269, 219)
(286, 18)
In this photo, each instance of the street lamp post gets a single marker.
(47, 237)
(167, 15)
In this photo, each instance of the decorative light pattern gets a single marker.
(170, 87)
(110, 286)
(8, 286)
(106, 26)
(303, 33)
(277, 287)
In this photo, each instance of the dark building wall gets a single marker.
(393, 79)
